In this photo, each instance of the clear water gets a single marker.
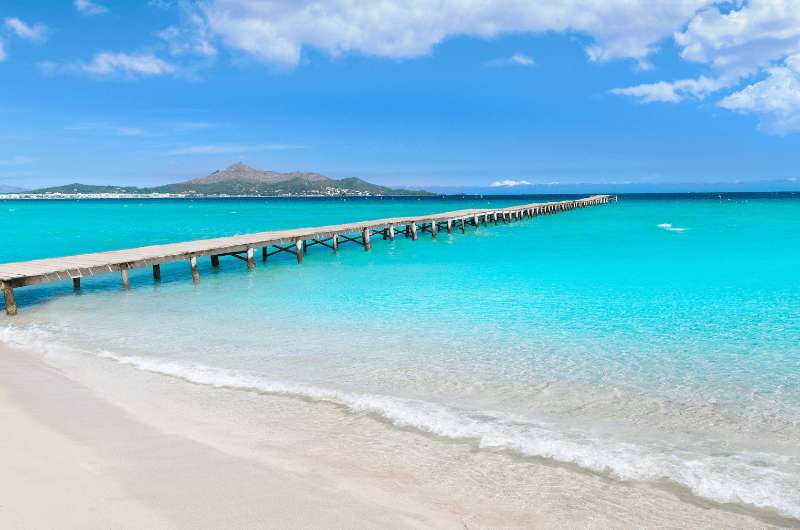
(657, 339)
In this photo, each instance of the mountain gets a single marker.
(10, 189)
(241, 173)
(240, 179)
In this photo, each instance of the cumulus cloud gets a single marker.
(2, 51)
(776, 99)
(518, 59)
(35, 32)
(742, 41)
(739, 41)
(88, 8)
(509, 183)
(144, 64)
(277, 31)
(674, 91)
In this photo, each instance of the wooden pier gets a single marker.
(244, 247)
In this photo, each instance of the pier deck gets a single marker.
(294, 241)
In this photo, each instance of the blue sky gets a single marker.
(402, 92)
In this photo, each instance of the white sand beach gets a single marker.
(90, 446)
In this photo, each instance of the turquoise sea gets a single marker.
(656, 339)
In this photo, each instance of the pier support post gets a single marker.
(391, 232)
(335, 242)
(264, 254)
(365, 235)
(449, 226)
(157, 272)
(475, 221)
(251, 262)
(215, 261)
(434, 229)
(495, 217)
(76, 284)
(11, 303)
(461, 225)
(124, 273)
(193, 267)
(413, 228)
(299, 250)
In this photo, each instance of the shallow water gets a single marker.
(656, 339)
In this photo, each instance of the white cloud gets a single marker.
(36, 32)
(106, 63)
(228, 149)
(48, 67)
(675, 91)
(88, 8)
(182, 41)
(128, 131)
(106, 127)
(776, 99)
(16, 161)
(3, 54)
(744, 40)
(509, 183)
(519, 59)
(192, 36)
(197, 125)
(277, 31)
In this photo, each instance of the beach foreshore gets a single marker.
(89, 443)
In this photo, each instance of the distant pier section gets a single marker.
(245, 247)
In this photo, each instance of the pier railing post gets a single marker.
(11, 303)
(193, 267)
(251, 262)
(123, 272)
(365, 235)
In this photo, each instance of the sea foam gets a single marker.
(669, 228)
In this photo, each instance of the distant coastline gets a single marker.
(90, 196)
(237, 180)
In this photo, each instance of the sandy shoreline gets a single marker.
(112, 447)
(98, 467)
